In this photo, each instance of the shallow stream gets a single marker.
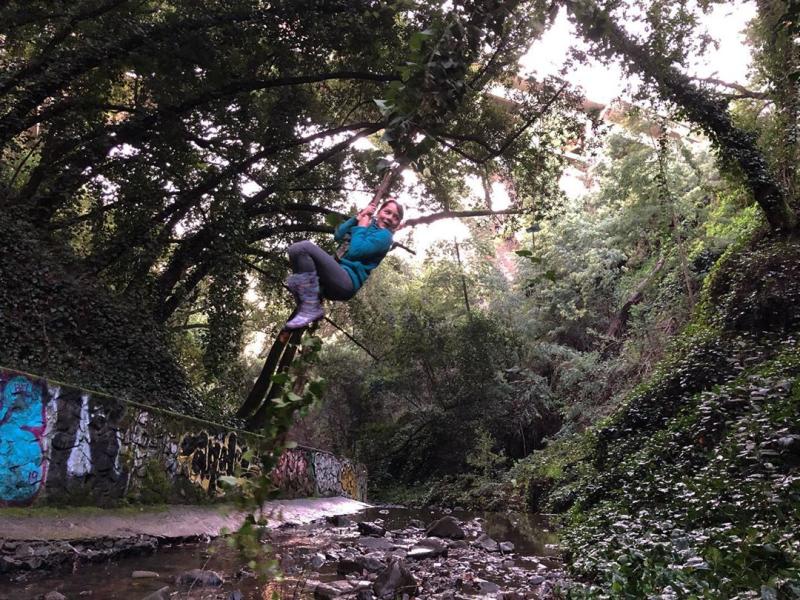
(313, 552)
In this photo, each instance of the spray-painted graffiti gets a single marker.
(304, 472)
(327, 469)
(349, 481)
(79, 462)
(61, 444)
(85, 447)
(294, 475)
(22, 425)
(205, 457)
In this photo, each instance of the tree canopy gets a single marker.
(587, 355)
(176, 150)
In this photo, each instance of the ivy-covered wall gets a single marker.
(57, 318)
(63, 445)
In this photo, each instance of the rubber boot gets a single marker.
(291, 285)
(306, 286)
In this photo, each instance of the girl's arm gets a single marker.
(343, 229)
(368, 242)
(362, 219)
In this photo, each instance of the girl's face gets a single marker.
(388, 216)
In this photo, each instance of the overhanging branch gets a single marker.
(458, 214)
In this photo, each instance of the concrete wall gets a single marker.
(62, 445)
(303, 472)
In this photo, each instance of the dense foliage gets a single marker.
(629, 362)
(178, 152)
(691, 487)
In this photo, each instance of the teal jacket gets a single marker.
(368, 246)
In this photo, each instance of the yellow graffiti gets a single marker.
(349, 482)
(203, 457)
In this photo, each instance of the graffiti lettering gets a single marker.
(204, 457)
(326, 471)
(293, 474)
(69, 445)
(79, 463)
(349, 481)
(305, 472)
(22, 426)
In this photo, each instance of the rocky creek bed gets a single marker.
(388, 552)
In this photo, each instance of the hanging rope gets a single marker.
(380, 193)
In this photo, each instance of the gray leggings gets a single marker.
(335, 282)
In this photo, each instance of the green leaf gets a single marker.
(334, 220)
(317, 387)
(419, 38)
(280, 378)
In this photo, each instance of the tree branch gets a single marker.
(743, 91)
(492, 152)
(457, 214)
(252, 205)
(43, 59)
(700, 107)
(186, 198)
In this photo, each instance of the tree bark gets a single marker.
(619, 322)
(710, 114)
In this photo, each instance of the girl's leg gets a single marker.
(307, 257)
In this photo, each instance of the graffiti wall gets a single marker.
(305, 472)
(22, 427)
(61, 445)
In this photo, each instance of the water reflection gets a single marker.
(296, 547)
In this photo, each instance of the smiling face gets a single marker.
(389, 216)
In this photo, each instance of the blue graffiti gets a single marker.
(22, 425)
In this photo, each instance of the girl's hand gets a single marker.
(365, 215)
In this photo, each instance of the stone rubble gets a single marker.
(198, 578)
(330, 560)
(461, 562)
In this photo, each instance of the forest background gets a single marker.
(629, 362)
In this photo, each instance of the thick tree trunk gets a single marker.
(780, 62)
(710, 114)
(619, 322)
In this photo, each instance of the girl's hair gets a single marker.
(400, 209)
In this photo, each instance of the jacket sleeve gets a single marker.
(368, 242)
(343, 229)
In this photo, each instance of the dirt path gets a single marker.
(164, 522)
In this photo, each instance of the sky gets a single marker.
(601, 83)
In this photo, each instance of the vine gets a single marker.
(254, 487)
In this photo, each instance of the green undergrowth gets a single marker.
(691, 488)
(406, 495)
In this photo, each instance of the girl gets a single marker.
(370, 240)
